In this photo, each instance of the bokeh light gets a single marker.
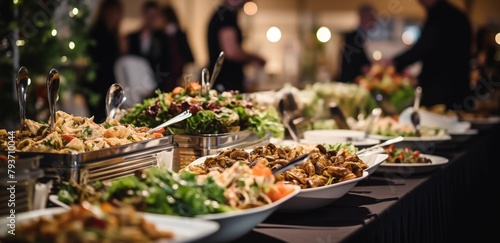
(273, 34)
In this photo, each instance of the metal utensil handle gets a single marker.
(418, 96)
(373, 119)
(293, 162)
(114, 99)
(53, 82)
(388, 142)
(205, 83)
(182, 116)
(22, 83)
(217, 68)
(338, 116)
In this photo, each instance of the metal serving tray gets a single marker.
(104, 164)
(191, 147)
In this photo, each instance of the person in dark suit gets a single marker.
(224, 34)
(104, 52)
(444, 48)
(355, 61)
(178, 46)
(151, 43)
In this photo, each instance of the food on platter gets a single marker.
(212, 114)
(389, 127)
(74, 134)
(90, 223)
(395, 88)
(314, 101)
(185, 194)
(324, 167)
(405, 155)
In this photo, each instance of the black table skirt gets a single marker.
(452, 204)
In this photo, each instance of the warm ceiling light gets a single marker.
(273, 34)
(323, 34)
(250, 8)
(377, 55)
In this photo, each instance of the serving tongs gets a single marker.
(181, 117)
(378, 148)
(53, 82)
(115, 97)
(22, 83)
(207, 81)
(294, 162)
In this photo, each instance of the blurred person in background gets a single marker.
(151, 43)
(178, 46)
(224, 34)
(355, 61)
(104, 52)
(486, 69)
(444, 48)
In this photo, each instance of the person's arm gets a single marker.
(229, 44)
(422, 48)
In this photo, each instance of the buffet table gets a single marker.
(451, 204)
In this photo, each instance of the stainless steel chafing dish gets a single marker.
(104, 164)
(191, 147)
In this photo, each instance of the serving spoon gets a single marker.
(181, 117)
(22, 83)
(415, 117)
(288, 109)
(115, 97)
(53, 82)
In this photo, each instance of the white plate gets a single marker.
(357, 138)
(232, 224)
(415, 139)
(236, 224)
(485, 121)
(184, 229)
(312, 198)
(468, 132)
(415, 168)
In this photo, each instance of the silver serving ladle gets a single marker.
(53, 82)
(115, 97)
(217, 68)
(205, 83)
(22, 83)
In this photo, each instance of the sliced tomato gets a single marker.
(67, 138)
(260, 169)
(279, 190)
(416, 154)
(161, 130)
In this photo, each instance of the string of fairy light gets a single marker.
(71, 44)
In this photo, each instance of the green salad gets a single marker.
(212, 114)
(154, 191)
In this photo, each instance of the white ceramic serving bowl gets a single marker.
(373, 161)
(236, 224)
(357, 138)
(184, 229)
(312, 198)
